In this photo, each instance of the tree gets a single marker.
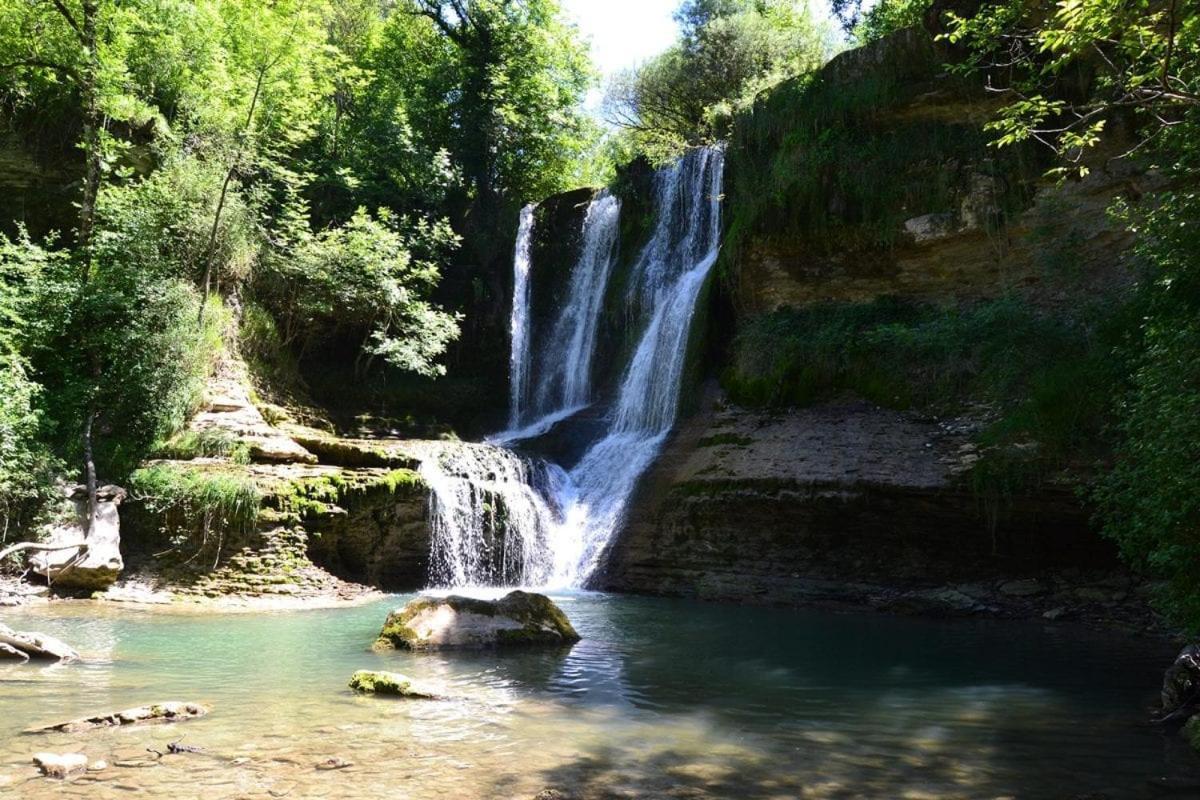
(517, 73)
(1139, 57)
(728, 52)
(1064, 73)
(370, 278)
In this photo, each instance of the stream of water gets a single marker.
(661, 699)
(561, 522)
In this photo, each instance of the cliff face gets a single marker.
(848, 504)
(876, 181)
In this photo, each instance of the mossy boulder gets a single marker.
(517, 619)
(394, 684)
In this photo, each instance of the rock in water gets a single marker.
(8, 651)
(56, 765)
(34, 645)
(390, 683)
(159, 712)
(434, 623)
(100, 564)
(1181, 685)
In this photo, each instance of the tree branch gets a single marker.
(66, 14)
(44, 64)
(44, 548)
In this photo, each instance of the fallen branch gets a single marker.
(44, 548)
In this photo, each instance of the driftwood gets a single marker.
(41, 548)
(175, 748)
(158, 713)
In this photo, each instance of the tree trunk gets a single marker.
(87, 222)
(210, 252)
(89, 471)
(91, 135)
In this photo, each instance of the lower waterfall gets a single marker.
(500, 518)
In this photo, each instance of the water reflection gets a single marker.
(661, 699)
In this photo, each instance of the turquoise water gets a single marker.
(661, 699)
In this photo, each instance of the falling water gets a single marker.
(500, 518)
(492, 516)
(563, 366)
(668, 278)
(519, 322)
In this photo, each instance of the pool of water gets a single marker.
(662, 698)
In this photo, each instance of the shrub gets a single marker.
(1046, 382)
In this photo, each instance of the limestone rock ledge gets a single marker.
(850, 505)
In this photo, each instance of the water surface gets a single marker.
(662, 698)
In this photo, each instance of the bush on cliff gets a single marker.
(1043, 380)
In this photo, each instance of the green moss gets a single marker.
(387, 683)
(224, 497)
(210, 443)
(542, 622)
(839, 162)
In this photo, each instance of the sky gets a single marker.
(624, 33)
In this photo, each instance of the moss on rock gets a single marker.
(389, 683)
(519, 618)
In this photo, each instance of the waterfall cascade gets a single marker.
(519, 322)
(500, 518)
(561, 370)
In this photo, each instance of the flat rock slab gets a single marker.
(436, 623)
(35, 645)
(60, 765)
(173, 711)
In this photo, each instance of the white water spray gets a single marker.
(519, 321)
(502, 519)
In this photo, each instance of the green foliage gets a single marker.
(185, 499)
(24, 459)
(1068, 70)
(208, 443)
(499, 87)
(1046, 380)
(888, 16)
(372, 276)
(1149, 502)
(729, 53)
(834, 164)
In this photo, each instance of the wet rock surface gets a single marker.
(849, 505)
(171, 711)
(60, 765)
(437, 623)
(25, 645)
(390, 683)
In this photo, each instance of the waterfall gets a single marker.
(667, 280)
(500, 518)
(492, 516)
(563, 366)
(519, 321)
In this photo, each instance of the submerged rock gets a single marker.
(98, 563)
(173, 711)
(60, 765)
(519, 618)
(14, 644)
(390, 683)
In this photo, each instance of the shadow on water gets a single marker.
(661, 698)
